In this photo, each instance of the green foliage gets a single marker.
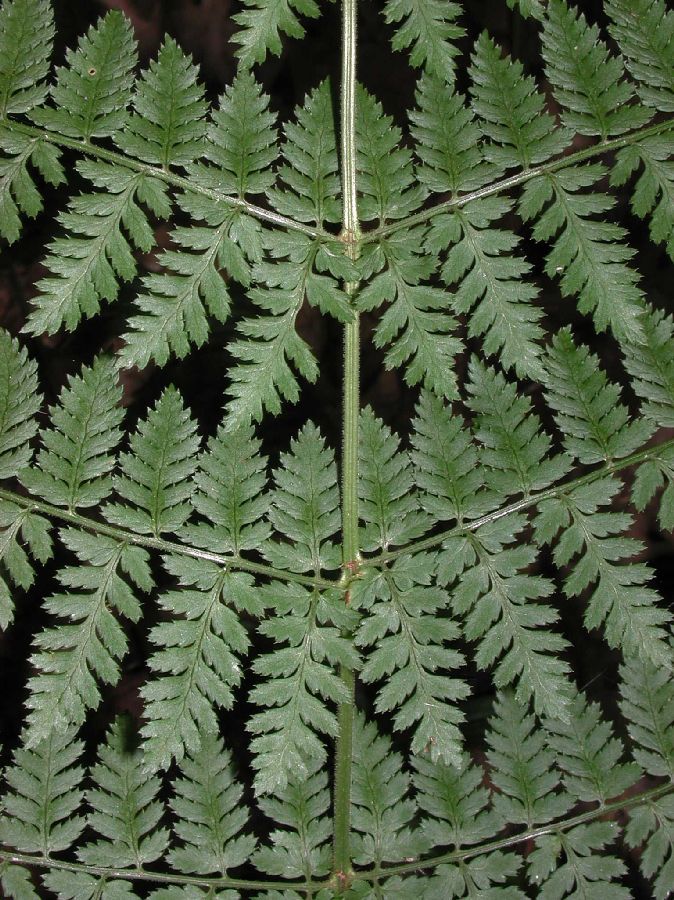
(428, 29)
(272, 610)
(26, 35)
(73, 469)
(92, 91)
(126, 810)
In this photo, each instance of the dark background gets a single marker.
(204, 28)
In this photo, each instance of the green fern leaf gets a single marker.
(73, 469)
(491, 587)
(197, 658)
(388, 503)
(429, 28)
(167, 128)
(18, 191)
(210, 814)
(515, 446)
(650, 477)
(302, 846)
(241, 141)
(93, 91)
(652, 825)
(621, 602)
(309, 174)
(125, 806)
(382, 810)
(588, 870)
(86, 263)
(521, 766)
(19, 526)
(511, 110)
(455, 801)
(589, 755)
(479, 875)
(81, 886)
(305, 506)
(296, 681)
(26, 36)
(231, 495)
(489, 283)
(156, 479)
(86, 642)
(16, 883)
(19, 403)
(587, 81)
(595, 424)
(409, 646)
(446, 470)
(644, 29)
(40, 808)
(654, 190)
(589, 255)
(647, 705)
(529, 8)
(262, 22)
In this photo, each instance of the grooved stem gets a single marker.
(350, 235)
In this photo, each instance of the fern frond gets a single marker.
(262, 377)
(297, 681)
(73, 468)
(587, 81)
(86, 642)
(428, 29)
(621, 602)
(16, 882)
(644, 29)
(196, 663)
(19, 404)
(18, 191)
(40, 808)
(595, 424)
(382, 809)
(126, 809)
(167, 127)
(529, 8)
(575, 863)
(651, 367)
(489, 283)
(408, 634)
(26, 37)
(301, 849)
(479, 875)
(521, 766)
(81, 886)
(647, 705)
(19, 527)
(231, 494)
(455, 801)
(445, 460)
(305, 506)
(589, 755)
(515, 445)
(93, 90)
(156, 479)
(87, 262)
(309, 174)
(653, 195)
(651, 828)
(175, 304)
(589, 255)
(263, 21)
(490, 586)
(650, 477)
(388, 502)
(511, 110)
(209, 812)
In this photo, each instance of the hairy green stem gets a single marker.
(350, 235)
